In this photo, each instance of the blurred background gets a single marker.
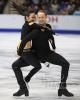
(63, 15)
(56, 7)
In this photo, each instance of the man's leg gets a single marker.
(57, 59)
(32, 60)
(16, 66)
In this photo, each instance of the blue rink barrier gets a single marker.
(67, 31)
(10, 30)
(56, 31)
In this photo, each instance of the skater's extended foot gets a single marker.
(22, 92)
(64, 92)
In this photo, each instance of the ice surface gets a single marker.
(45, 83)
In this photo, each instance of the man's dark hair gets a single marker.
(42, 12)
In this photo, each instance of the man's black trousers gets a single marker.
(57, 59)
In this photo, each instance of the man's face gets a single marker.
(41, 16)
(31, 17)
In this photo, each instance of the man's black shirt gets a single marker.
(39, 42)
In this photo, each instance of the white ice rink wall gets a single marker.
(60, 24)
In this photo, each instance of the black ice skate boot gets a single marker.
(63, 91)
(22, 92)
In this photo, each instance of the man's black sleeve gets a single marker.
(51, 37)
(32, 35)
(48, 27)
(52, 41)
(52, 32)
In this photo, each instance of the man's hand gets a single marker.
(47, 64)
